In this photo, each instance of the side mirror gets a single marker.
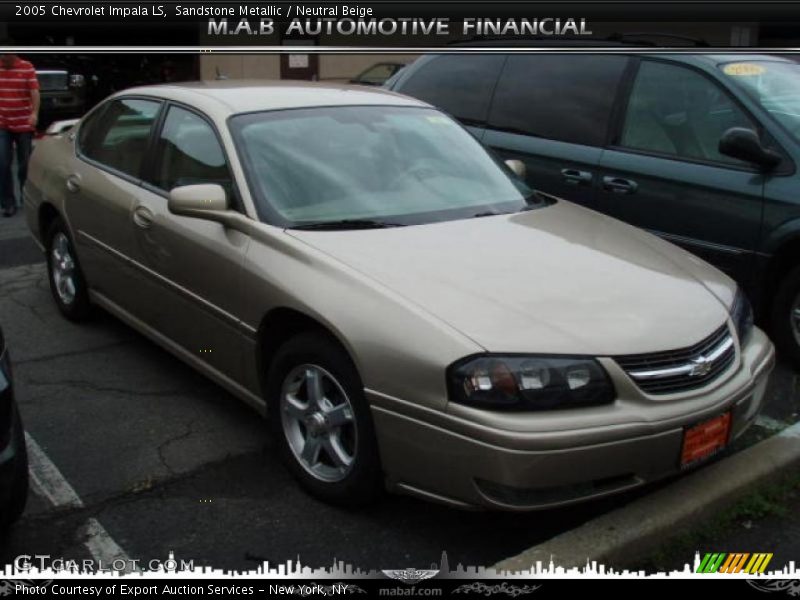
(517, 167)
(201, 200)
(743, 144)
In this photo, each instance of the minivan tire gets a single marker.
(785, 329)
(78, 308)
(363, 482)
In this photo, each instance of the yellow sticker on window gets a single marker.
(743, 69)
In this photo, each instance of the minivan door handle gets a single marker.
(576, 177)
(619, 185)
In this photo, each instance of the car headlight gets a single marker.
(77, 80)
(528, 383)
(742, 316)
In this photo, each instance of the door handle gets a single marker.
(73, 183)
(619, 185)
(143, 217)
(576, 177)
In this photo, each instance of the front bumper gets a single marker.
(473, 459)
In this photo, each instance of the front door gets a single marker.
(197, 263)
(665, 172)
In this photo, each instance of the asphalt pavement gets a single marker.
(136, 453)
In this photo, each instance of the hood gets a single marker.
(560, 279)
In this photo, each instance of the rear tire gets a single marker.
(321, 421)
(67, 282)
(785, 322)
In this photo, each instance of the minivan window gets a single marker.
(118, 134)
(188, 152)
(396, 165)
(774, 85)
(677, 111)
(458, 84)
(558, 97)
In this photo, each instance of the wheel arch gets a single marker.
(46, 215)
(282, 323)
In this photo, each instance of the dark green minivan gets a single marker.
(701, 149)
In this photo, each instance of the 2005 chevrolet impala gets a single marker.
(407, 311)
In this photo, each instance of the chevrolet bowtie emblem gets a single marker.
(700, 366)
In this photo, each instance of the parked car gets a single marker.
(13, 456)
(63, 88)
(699, 149)
(378, 73)
(409, 313)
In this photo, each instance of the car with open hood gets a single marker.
(404, 308)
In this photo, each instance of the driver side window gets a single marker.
(676, 111)
(188, 152)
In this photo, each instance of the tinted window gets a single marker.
(458, 84)
(566, 98)
(118, 134)
(188, 152)
(677, 111)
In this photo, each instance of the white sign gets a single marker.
(298, 61)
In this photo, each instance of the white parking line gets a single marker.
(50, 483)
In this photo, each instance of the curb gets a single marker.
(627, 533)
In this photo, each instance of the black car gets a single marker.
(13, 457)
(701, 149)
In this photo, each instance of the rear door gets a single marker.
(102, 184)
(552, 112)
(460, 85)
(663, 170)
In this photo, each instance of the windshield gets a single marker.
(774, 85)
(398, 165)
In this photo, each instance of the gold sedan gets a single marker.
(407, 310)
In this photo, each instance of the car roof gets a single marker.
(717, 58)
(222, 98)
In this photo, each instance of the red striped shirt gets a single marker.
(16, 106)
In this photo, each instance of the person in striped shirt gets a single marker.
(19, 111)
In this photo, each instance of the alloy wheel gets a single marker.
(63, 268)
(318, 422)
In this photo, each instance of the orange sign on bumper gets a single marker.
(705, 439)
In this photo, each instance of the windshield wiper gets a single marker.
(488, 213)
(346, 224)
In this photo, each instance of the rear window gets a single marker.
(565, 98)
(52, 80)
(458, 84)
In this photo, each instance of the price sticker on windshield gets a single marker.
(743, 69)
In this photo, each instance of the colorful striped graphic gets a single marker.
(735, 562)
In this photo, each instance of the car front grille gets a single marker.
(681, 370)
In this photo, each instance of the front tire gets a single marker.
(785, 323)
(67, 282)
(321, 421)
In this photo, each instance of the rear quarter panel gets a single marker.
(49, 165)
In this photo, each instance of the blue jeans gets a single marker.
(8, 141)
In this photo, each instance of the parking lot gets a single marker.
(135, 454)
